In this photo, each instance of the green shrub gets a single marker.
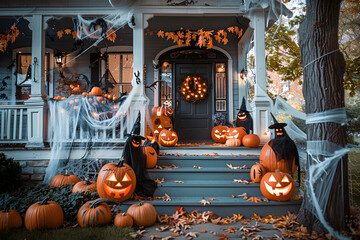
(9, 174)
(27, 195)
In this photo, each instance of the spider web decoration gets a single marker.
(107, 81)
(193, 89)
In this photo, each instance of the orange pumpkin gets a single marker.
(277, 186)
(96, 91)
(160, 123)
(269, 160)
(143, 214)
(257, 171)
(116, 181)
(168, 138)
(84, 186)
(123, 220)
(94, 213)
(238, 132)
(10, 219)
(151, 156)
(162, 111)
(233, 142)
(251, 140)
(63, 180)
(218, 134)
(44, 214)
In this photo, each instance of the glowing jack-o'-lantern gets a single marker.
(279, 131)
(168, 138)
(116, 181)
(238, 132)
(151, 156)
(277, 186)
(218, 134)
(242, 115)
(160, 123)
(136, 142)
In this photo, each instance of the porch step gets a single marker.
(222, 206)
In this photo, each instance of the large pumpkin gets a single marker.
(84, 186)
(143, 214)
(123, 220)
(10, 219)
(44, 214)
(162, 111)
(277, 186)
(160, 123)
(251, 140)
(151, 156)
(218, 134)
(168, 138)
(238, 132)
(63, 180)
(94, 213)
(269, 160)
(116, 181)
(257, 171)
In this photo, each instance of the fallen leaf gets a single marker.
(137, 234)
(177, 181)
(167, 238)
(254, 199)
(212, 198)
(162, 228)
(258, 237)
(231, 229)
(159, 181)
(175, 234)
(197, 167)
(166, 197)
(203, 231)
(222, 236)
(191, 235)
(242, 181)
(237, 167)
(204, 202)
(152, 237)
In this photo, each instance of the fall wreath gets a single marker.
(193, 89)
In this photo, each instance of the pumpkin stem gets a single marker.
(121, 162)
(95, 203)
(66, 173)
(45, 200)
(140, 203)
(87, 182)
(123, 214)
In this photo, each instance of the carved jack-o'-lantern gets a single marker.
(279, 131)
(238, 132)
(218, 134)
(136, 142)
(116, 181)
(160, 123)
(151, 156)
(257, 172)
(242, 115)
(277, 186)
(168, 138)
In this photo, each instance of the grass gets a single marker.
(77, 233)
(354, 176)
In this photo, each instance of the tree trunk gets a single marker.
(323, 90)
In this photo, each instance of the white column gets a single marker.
(36, 107)
(262, 103)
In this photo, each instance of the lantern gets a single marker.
(168, 138)
(218, 134)
(277, 186)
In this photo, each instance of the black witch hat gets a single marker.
(243, 106)
(135, 132)
(276, 123)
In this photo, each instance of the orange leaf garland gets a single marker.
(160, 34)
(67, 31)
(60, 33)
(74, 35)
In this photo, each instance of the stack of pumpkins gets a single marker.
(163, 127)
(234, 137)
(115, 183)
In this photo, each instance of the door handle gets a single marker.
(177, 104)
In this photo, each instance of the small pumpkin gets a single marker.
(233, 142)
(168, 138)
(10, 219)
(116, 181)
(43, 215)
(143, 214)
(63, 180)
(218, 134)
(269, 160)
(94, 213)
(84, 186)
(151, 156)
(257, 171)
(123, 220)
(277, 186)
(96, 91)
(237, 132)
(251, 140)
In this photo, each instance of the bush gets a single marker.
(9, 174)
(27, 195)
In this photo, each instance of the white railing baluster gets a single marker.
(21, 123)
(2, 131)
(8, 124)
(15, 124)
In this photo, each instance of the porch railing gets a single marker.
(13, 124)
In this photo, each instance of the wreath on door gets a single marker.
(193, 89)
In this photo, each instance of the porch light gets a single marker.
(243, 74)
(59, 58)
(221, 68)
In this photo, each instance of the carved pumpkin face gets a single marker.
(160, 123)
(279, 132)
(168, 138)
(242, 116)
(151, 156)
(218, 134)
(238, 133)
(277, 186)
(135, 142)
(116, 182)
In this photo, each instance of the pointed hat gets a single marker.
(243, 106)
(276, 123)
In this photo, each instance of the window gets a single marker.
(120, 67)
(220, 87)
(166, 84)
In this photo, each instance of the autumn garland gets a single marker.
(193, 89)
